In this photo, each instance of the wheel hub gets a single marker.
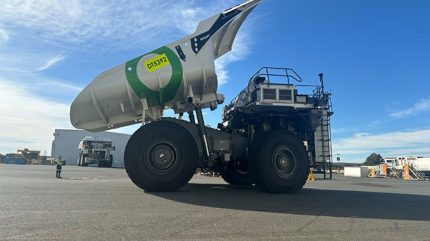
(162, 157)
(283, 162)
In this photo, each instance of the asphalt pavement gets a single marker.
(103, 204)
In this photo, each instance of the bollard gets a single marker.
(372, 172)
(406, 175)
(384, 170)
(311, 176)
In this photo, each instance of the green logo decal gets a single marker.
(166, 93)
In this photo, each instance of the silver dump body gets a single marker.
(179, 76)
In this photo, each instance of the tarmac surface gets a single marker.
(103, 204)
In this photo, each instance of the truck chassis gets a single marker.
(270, 135)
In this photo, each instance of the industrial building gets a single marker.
(66, 144)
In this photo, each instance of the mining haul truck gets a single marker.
(93, 151)
(269, 135)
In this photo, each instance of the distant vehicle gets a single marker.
(93, 151)
(390, 161)
(15, 158)
(421, 164)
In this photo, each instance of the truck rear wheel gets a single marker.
(110, 162)
(161, 156)
(83, 161)
(279, 162)
(235, 175)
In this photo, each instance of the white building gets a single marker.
(66, 143)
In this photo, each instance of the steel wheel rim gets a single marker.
(162, 157)
(284, 162)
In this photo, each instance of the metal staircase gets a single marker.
(395, 173)
(322, 136)
(414, 174)
(325, 143)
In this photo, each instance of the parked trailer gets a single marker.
(421, 164)
(15, 158)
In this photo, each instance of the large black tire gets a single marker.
(79, 159)
(161, 157)
(279, 162)
(110, 162)
(235, 175)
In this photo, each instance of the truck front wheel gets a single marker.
(279, 162)
(160, 156)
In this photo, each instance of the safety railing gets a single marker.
(268, 72)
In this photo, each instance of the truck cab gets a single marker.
(275, 99)
(94, 151)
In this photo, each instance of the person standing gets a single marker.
(59, 163)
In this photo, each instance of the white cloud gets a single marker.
(421, 106)
(393, 143)
(28, 120)
(42, 29)
(4, 35)
(239, 51)
(341, 131)
(51, 62)
(41, 85)
(117, 23)
(33, 104)
(17, 59)
(24, 66)
(418, 151)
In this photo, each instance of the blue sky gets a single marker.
(375, 56)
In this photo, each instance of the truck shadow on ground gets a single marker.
(315, 202)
